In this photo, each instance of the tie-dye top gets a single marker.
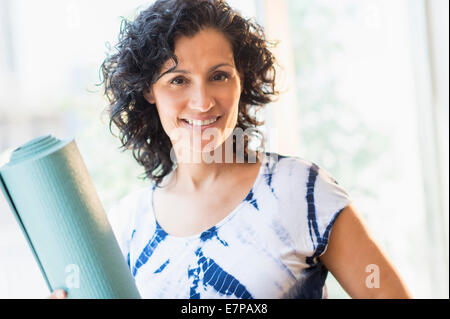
(267, 247)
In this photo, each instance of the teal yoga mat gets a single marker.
(57, 207)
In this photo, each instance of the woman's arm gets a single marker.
(351, 255)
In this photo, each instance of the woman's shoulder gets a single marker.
(133, 199)
(296, 173)
(289, 165)
(123, 210)
(308, 197)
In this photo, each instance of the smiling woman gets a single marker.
(269, 226)
(146, 57)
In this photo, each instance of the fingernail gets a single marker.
(60, 294)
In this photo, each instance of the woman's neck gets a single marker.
(201, 174)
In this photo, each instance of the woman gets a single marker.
(211, 226)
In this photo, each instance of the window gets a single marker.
(361, 106)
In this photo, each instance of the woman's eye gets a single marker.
(221, 77)
(178, 81)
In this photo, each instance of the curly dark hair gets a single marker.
(146, 43)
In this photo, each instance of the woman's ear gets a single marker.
(149, 96)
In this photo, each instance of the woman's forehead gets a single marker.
(206, 48)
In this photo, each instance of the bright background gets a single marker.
(366, 97)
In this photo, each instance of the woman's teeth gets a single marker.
(201, 123)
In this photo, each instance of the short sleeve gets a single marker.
(326, 200)
(319, 200)
(122, 217)
(119, 221)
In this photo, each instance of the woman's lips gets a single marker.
(199, 127)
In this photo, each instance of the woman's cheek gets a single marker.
(167, 116)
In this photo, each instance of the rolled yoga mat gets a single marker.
(57, 207)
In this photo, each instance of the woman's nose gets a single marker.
(200, 98)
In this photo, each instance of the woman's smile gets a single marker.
(201, 124)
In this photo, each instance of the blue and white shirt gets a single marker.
(267, 247)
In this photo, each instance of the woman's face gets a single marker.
(201, 96)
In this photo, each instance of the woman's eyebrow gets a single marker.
(219, 65)
(187, 72)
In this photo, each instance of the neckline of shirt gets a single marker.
(266, 156)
